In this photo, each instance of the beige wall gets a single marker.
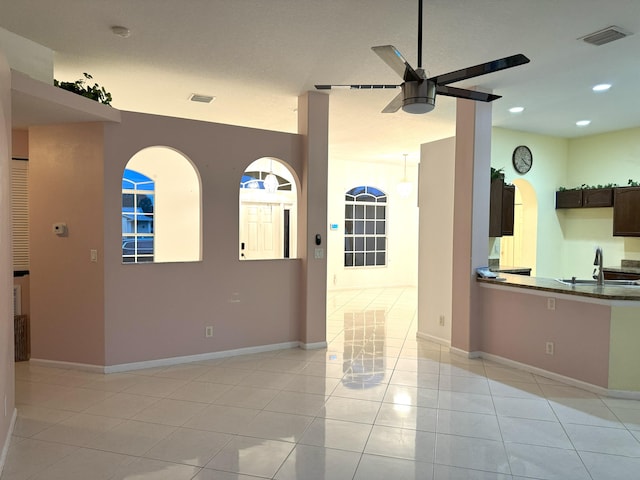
(7, 401)
(566, 238)
(402, 223)
(549, 171)
(436, 234)
(67, 289)
(598, 159)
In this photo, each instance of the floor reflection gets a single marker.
(364, 355)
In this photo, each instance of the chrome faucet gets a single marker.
(598, 263)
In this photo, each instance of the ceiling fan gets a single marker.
(418, 93)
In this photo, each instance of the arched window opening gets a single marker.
(161, 208)
(268, 211)
(365, 227)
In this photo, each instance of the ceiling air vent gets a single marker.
(201, 98)
(606, 35)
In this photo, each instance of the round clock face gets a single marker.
(522, 159)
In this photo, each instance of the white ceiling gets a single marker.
(257, 56)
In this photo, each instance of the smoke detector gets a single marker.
(121, 31)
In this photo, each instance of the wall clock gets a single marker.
(522, 159)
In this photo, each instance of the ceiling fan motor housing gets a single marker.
(419, 96)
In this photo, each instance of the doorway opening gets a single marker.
(268, 211)
(519, 250)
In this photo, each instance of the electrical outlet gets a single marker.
(548, 348)
(551, 303)
(208, 331)
(442, 320)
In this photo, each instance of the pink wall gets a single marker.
(470, 217)
(67, 290)
(6, 264)
(313, 122)
(20, 143)
(160, 310)
(517, 325)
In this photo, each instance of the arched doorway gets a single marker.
(520, 250)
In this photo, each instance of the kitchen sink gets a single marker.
(592, 283)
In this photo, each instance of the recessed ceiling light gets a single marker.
(121, 31)
(602, 87)
(583, 123)
(516, 109)
(201, 98)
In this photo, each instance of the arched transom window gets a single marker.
(268, 211)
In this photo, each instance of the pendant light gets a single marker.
(405, 186)
(270, 181)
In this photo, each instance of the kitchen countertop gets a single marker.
(511, 269)
(551, 285)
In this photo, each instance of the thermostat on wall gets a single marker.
(334, 226)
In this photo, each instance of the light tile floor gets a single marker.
(377, 404)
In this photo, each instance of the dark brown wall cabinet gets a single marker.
(610, 275)
(501, 208)
(626, 212)
(594, 197)
(569, 199)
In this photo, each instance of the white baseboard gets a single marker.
(312, 346)
(434, 339)
(7, 441)
(597, 389)
(85, 367)
(464, 353)
(165, 362)
(334, 288)
(553, 376)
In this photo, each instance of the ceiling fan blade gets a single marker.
(392, 57)
(482, 69)
(395, 104)
(356, 87)
(463, 93)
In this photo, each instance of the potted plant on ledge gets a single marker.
(94, 92)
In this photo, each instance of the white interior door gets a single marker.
(261, 230)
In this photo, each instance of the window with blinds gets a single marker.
(20, 213)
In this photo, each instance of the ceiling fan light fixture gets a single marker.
(417, 106)
(419, 96)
